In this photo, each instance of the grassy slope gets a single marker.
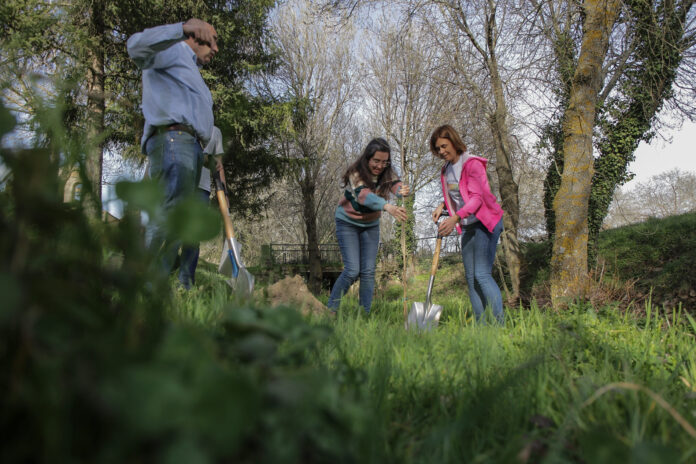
(653, 260)
(658, 255)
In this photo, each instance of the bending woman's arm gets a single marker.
(366, 198)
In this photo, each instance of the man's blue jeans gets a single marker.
(478, 255)
(175, 161)
(190, 253)
(359, 246)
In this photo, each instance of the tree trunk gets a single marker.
(509, 190)
(95, 106)
(569, 275)
(409, 226)
(308, 187)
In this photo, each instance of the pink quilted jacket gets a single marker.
(477, 195)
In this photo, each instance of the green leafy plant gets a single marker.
(95, 368)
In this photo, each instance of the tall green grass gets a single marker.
(584, 385)
(523, 393)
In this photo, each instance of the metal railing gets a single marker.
(297, 253)
(330, 253)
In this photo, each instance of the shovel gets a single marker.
(230, 262)
(425, 316)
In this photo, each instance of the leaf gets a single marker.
(192, 222)
(7, 121)
(10, 291)
(145, 195)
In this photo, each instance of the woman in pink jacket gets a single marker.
(476, 215)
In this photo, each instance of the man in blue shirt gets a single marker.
(190, 252)
(178, 110)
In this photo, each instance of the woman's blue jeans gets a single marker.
(175, 161)
(478, 255)
(359, 246)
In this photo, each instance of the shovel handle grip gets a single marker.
(436, 257)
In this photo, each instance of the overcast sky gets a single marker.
(660, 156)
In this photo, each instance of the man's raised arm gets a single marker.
(143, 46)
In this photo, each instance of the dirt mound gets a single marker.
(292, 291)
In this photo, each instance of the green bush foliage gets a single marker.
(94, 369)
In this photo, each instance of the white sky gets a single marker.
(661, 156)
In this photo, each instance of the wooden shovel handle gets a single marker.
(436, 258)
(403, 271)
(224, 206)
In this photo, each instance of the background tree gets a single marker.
(640, 63)
(667, 194)
(569, 277)
(83, 43)
(483, 56)
(659, 37)
(406, 104)
(315, 80)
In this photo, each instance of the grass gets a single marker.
(585, 385)
(466, 393)
(590, 384)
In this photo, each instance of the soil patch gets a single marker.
(292, 291)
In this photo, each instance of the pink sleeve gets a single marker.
(476, 185)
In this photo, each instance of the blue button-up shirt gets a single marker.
(173, 89)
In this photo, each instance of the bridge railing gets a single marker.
(296, 253)
(330, 253)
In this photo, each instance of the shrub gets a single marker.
(92, 370)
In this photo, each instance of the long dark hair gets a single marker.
(386, 179)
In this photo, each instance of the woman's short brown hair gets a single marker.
(446, 132)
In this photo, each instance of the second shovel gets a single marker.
(230, 262)
(425, 316)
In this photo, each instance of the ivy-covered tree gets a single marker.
(658, 30)
(551, 140)
(644, 53)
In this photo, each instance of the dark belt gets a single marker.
(176, 127)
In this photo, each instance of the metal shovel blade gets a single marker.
(230, 265)
(416, 315)
(424, 316)
(244, 285)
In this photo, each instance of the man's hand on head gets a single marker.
(200, 31)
